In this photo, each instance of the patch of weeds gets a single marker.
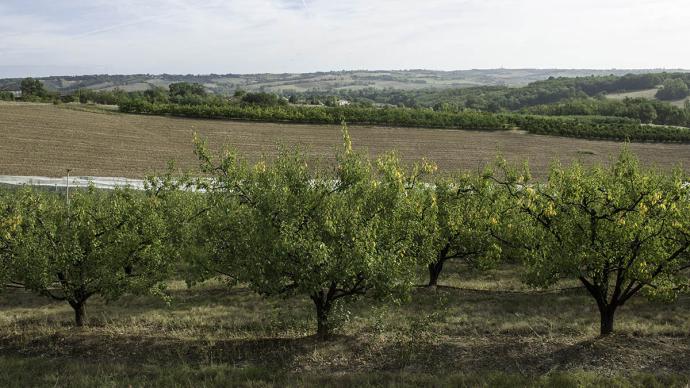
(415, 342)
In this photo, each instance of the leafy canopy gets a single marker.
(10, 224)
(619, 230)
(287, 228)
(471, 214)
(105, 243)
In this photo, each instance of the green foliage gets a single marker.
(105, 97)
(186, 93)
(10, 224)
(286, 228)
(181, 93)
(644, 110)
(470, 214)
(579, 103)
(596, 127)
(104, 243)
(185, 89)
(33, 90)
(156, 95)
(326, 115)
(501, 98)
(6, 96)
(673, 89)
(31, 87)
(263, 99)
(181, 205)
(618, 230)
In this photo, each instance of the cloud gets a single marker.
(195, 36)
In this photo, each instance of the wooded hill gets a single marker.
(317, 82)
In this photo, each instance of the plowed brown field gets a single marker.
(39, 139)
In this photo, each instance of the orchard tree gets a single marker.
(620, 231)
(181, 206)
(103, 243)
(287, 228)
(470, 210)
(10, 224)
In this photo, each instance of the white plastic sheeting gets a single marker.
(98, 182)
(74, 181)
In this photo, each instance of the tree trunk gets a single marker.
(323, 309)
(436, 267)
(79, 312)
(606, 309)
(434, 272)
(607, 315)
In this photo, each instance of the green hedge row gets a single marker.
(598, 127)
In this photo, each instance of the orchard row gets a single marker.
(360, 228)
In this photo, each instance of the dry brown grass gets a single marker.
(648, 93)
(40, 139)
(439, 333)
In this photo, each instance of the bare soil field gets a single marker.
(41, 139)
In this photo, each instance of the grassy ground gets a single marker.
(649, 94)
(42, 139)
(478, 330)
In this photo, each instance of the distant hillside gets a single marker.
(319, 82)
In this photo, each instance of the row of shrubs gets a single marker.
(363, 228)
(597, 127)
(642, 109)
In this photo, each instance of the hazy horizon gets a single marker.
(42, 37)
(22, 73)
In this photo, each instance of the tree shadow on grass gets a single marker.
(617, 353)
(152, 349)
(528, 356)
(512, 333)
(14, 297)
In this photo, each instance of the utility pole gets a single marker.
(68, 171)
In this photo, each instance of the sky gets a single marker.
(66, 37)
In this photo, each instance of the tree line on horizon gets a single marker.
(573, 107)
(672, 86)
